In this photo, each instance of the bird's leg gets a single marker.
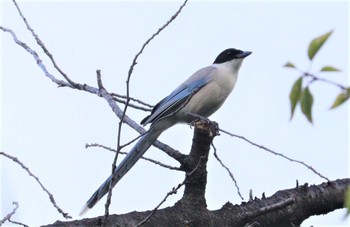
(204, 123)
(197, 118)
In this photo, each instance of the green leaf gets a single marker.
(341, 98)
(316, 44)
(289, 65)
(306, 101)
(294, 95)
(329, 68)
(347, 201)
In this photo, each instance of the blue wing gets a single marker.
(180, 96)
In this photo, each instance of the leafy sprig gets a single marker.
(301, 94)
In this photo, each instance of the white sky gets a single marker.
(47, 127)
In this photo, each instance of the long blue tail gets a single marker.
(134, 155)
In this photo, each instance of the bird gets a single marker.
(201, 94)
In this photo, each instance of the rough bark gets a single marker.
(285, 208)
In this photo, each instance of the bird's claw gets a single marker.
(205, 123)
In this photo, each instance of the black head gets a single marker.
(229, 54)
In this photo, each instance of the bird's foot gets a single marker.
(205, 123)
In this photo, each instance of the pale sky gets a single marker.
(47, 127)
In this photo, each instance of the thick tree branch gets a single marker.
(292, 206)
(288, 207)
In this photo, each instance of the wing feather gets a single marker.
(180, 96)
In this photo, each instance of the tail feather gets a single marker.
(128, 162)
(84, 210)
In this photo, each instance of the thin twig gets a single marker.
(132, 105)
(37, 59)
(125, 153)
(275, 153)
(18, 223)
(132, 99)
(316, 78)
(134, 62)
(173, 191)
(8, 216)
(131, 141)
(228, 170)
(61, 83)
(43, 47)
(107, 96)
(65, 215)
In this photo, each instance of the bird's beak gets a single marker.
(244, 54)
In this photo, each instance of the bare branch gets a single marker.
(123, 97)
(125, 153)
(17, 223)
(228, 170)
(8, 216)
(134, 62)
(121, 115)
(36, 57)
(41, 44)
(138, 107)
(275, 153)
(65, 215)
